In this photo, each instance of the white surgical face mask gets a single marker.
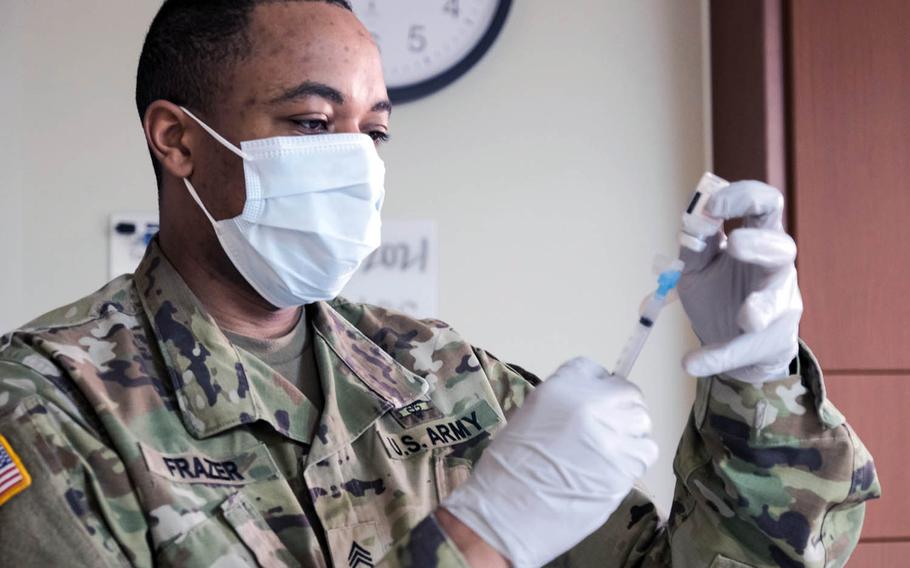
(311, 214)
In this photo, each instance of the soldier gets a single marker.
(221, 407)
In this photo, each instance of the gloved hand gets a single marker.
(741, 294)
(560, 467)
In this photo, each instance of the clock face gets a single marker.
(427, 44)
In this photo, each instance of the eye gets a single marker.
(379, 137)
(312, 125)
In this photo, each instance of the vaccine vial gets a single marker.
(698, 226)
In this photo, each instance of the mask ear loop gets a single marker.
(195, 196)
(224, 142)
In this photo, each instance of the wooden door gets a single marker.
(850, 160)
(834, 77)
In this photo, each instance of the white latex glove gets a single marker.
(741, 294)
(560, 467)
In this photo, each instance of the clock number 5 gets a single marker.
(452, 7)
(417, 41)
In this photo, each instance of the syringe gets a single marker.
(666, 282)
(697, 227)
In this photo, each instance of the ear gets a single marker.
(169, 137)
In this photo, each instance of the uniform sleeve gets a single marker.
(80, 509)
(767, 475)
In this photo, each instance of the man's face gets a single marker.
(313, 69)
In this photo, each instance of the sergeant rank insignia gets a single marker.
(13, 477)
(359, 557)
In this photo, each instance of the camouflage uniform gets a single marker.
(151, 439)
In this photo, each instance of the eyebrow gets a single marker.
(313, 88)
(382, 106)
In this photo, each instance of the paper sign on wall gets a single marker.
(130, 234)
(402, 274)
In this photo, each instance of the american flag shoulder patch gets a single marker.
(14, 478)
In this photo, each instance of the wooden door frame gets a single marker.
(750, 99)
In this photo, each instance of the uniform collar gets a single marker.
(219, 387)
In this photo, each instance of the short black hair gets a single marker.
(189, 48)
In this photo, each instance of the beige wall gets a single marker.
(556, 169)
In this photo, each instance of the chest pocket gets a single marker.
(450, 443)
(235, 534)
(450, 471)
(363, 544)
(389, 480)
(203, 507)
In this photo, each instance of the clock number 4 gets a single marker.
(452, 7)
(417, 41)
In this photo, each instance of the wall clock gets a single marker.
(428, 44)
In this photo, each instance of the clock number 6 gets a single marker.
(417, 42)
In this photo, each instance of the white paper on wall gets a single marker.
(403, 273)
(130, 233)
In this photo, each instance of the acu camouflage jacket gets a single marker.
(152, 440)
